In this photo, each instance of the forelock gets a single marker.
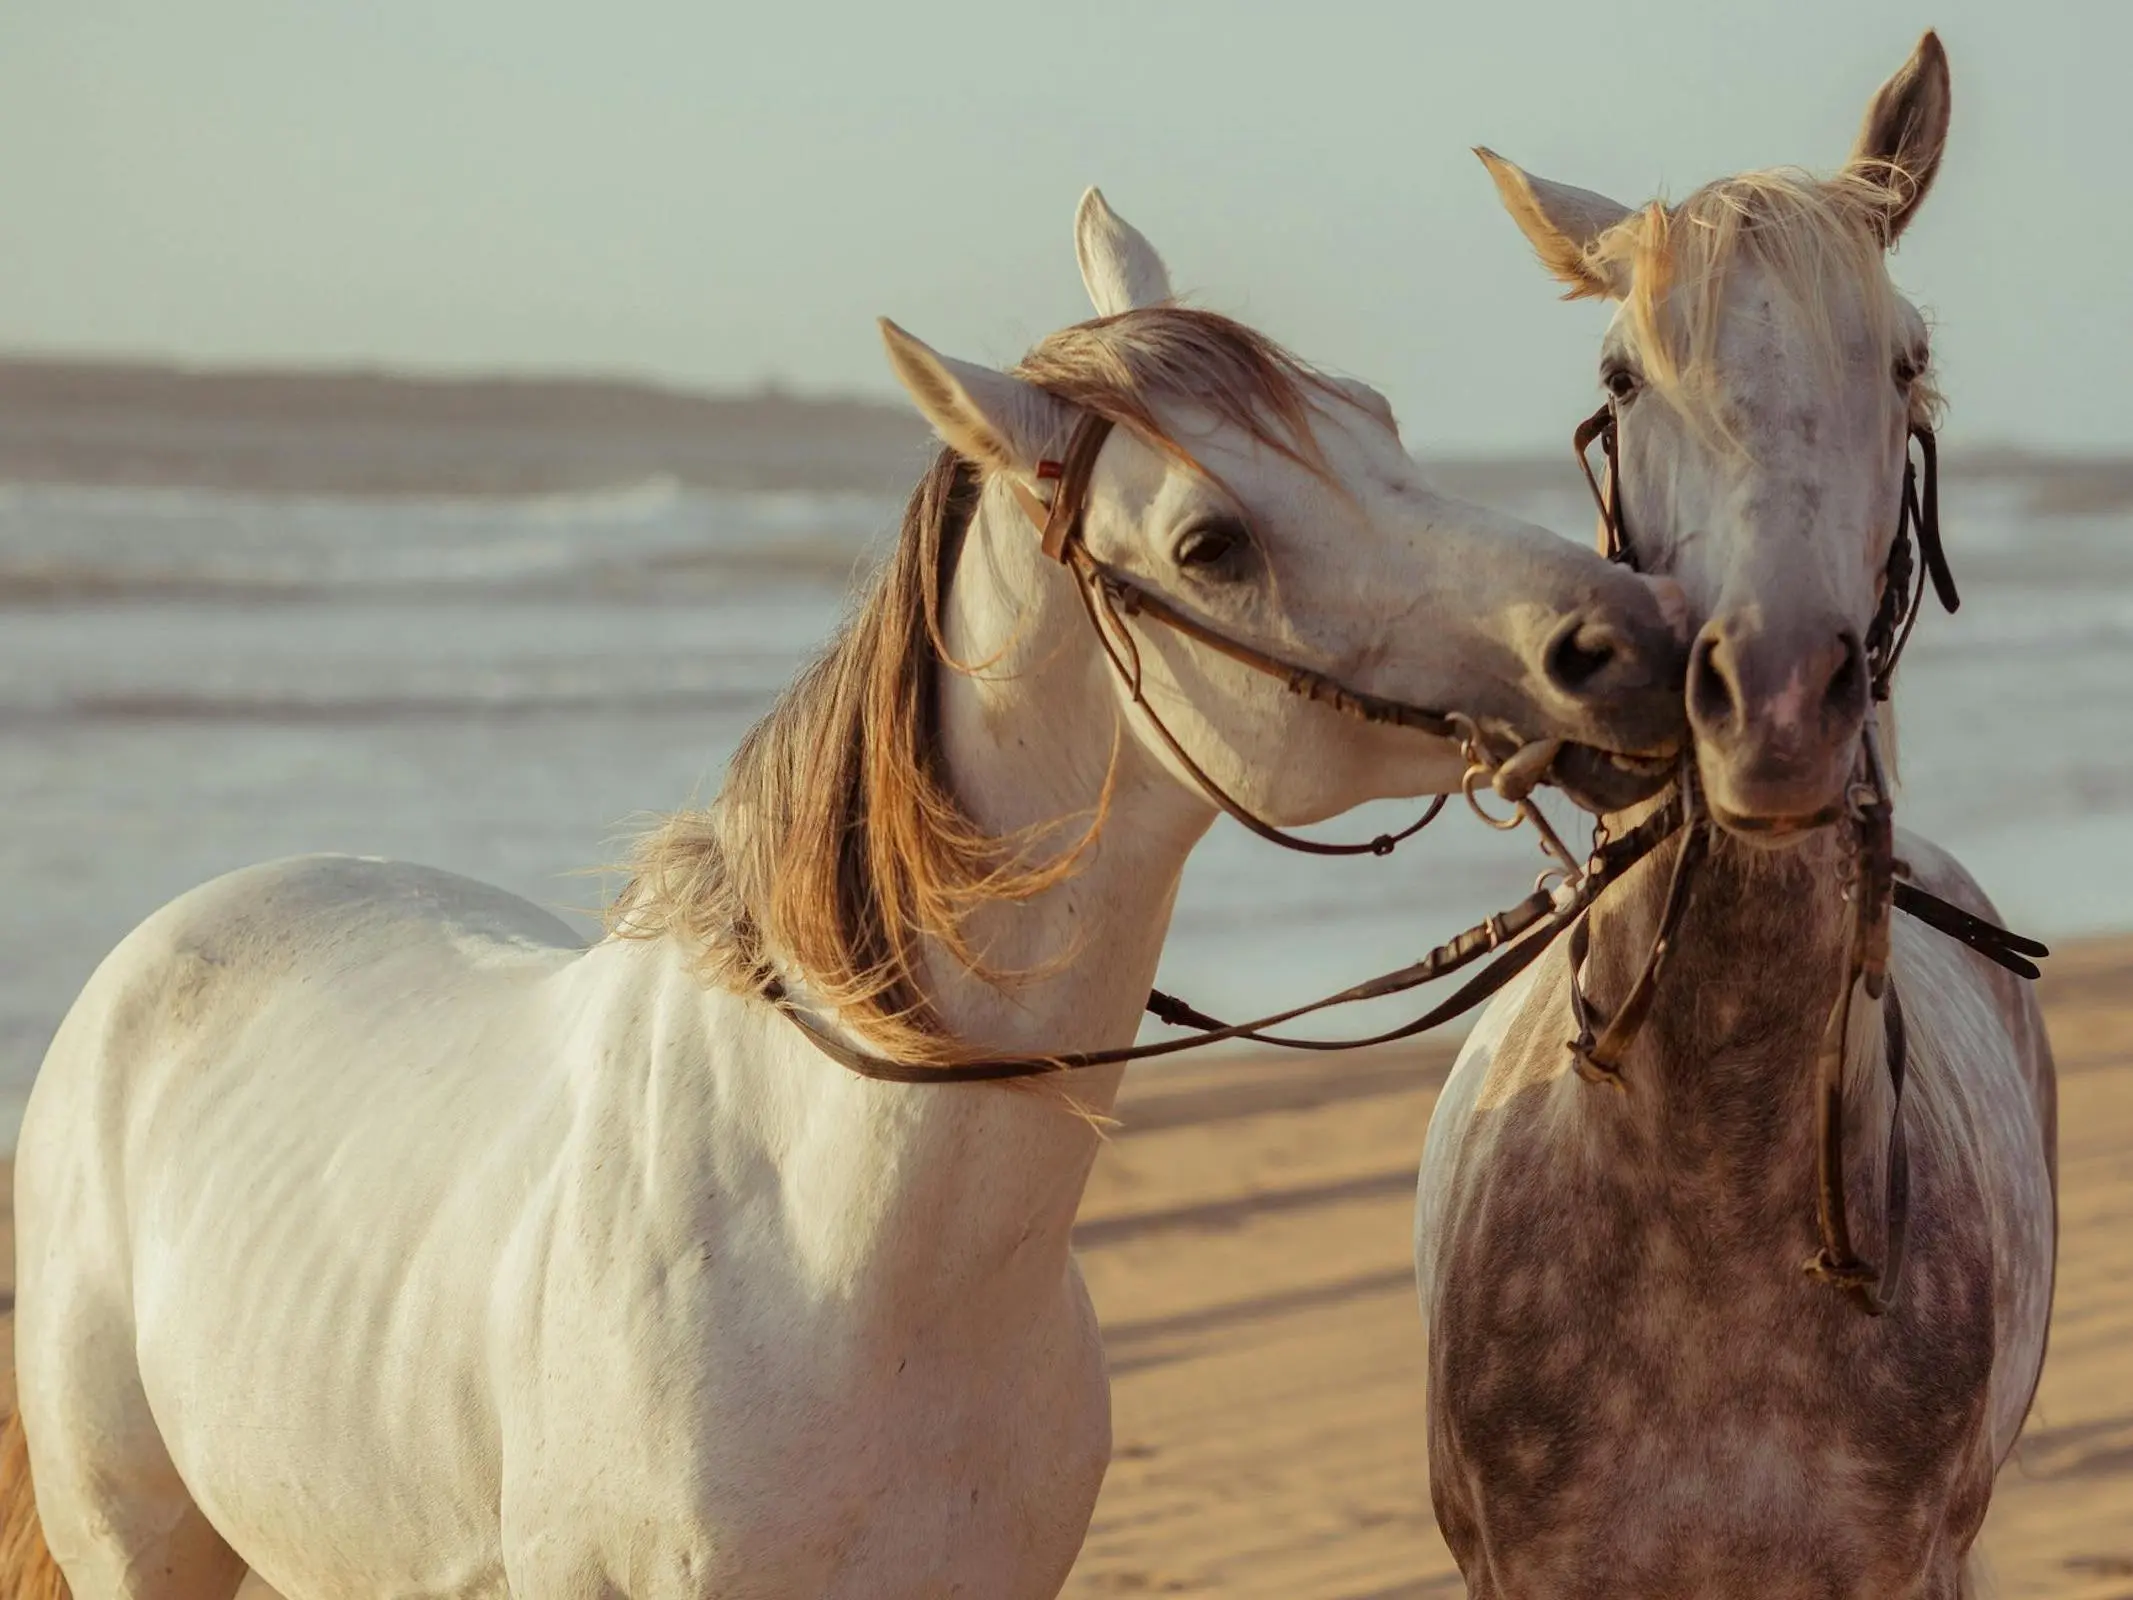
(1815, 243)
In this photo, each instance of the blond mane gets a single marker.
(836, 850)
(1818, 242)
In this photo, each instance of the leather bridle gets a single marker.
(1518, 935)
(1875, 883)
(1109, 597)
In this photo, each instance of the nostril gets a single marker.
(1711, 696)
(1578, 655)
(1847, 685)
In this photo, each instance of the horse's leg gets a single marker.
(113, 1509)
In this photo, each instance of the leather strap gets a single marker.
(1096, 589)
(1538, 917)
(1002, 1068)
(1836, 1263)
(1131, 599)
(1995, 943)
(1600, 1060)
(1613, 539)
(1520, 933)
(1896, 1202)
(1903, 592)
(1059, 522)
(1109, 597)
(1927, 513)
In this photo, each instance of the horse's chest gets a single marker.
(931, 1513)
(1643, 1382)
(817, 1456)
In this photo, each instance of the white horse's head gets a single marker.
(1764, 374)
(1275, 505)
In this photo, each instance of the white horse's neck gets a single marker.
(1034, 736)
(981, 1176)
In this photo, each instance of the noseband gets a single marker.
(1874, 882)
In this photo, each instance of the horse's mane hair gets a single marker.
(836, 850)
(1819, 242)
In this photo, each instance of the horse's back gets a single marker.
(279, 1149)
(259, 996)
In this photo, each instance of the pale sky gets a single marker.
(715, 194)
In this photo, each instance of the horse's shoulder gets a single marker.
(1497, 1046)
(1507, 1042)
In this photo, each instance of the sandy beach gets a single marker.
(1246, 1239)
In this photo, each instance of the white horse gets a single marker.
(1634, 1388)
(379, 1238)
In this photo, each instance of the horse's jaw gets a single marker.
(1605, 781)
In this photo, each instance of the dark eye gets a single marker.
(1619, 382)
(1211, 545)
(1909, 365)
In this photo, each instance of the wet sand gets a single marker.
(1246, 1239)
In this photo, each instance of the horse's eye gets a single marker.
(1907, 367)
(1619, 382)
(1209, 544)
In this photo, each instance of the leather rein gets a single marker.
(1875, 883)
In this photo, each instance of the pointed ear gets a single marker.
(982, 415)
(1562, 224)
(1119, 267)
(1905, 130)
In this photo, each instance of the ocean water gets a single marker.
(190, 682)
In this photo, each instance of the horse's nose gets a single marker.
(1623, 647)
(1744, 683)
(1776, 712)
(1582, 652)
(1615, 669)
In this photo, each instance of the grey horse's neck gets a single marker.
(1721, 1077)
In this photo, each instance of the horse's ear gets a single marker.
(1562, 224)
(1119, 267)
(1906, 128)
(982, 415)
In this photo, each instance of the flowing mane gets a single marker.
(1816, 239)
(837, 848)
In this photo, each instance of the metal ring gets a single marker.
(1477, 773)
